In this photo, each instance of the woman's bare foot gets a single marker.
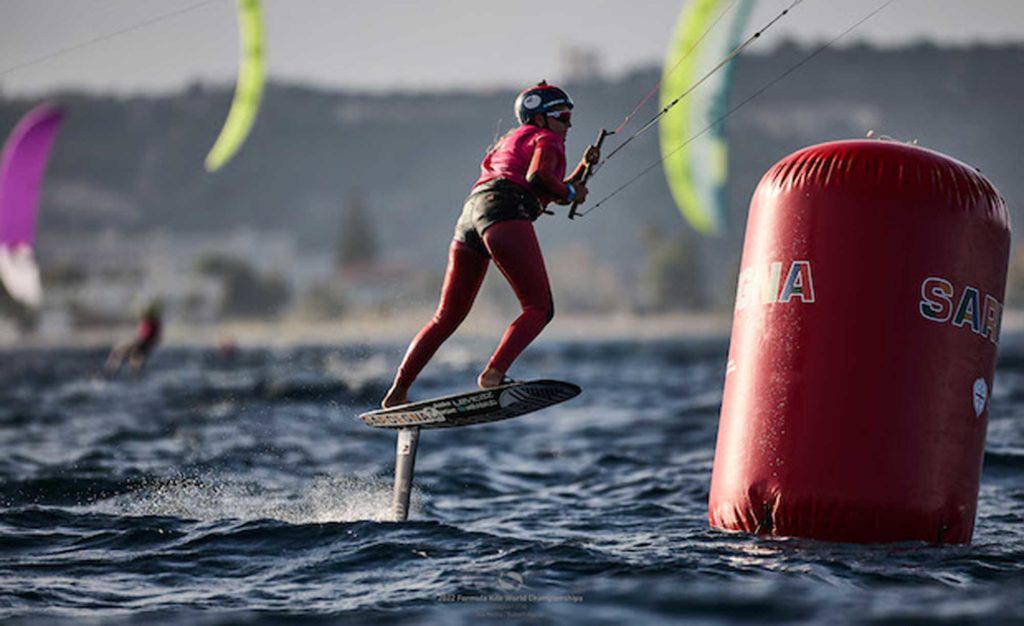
(490, 377)
(395, 396)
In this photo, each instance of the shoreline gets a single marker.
(401, 328)
(392, 328)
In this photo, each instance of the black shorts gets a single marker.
(493, 202)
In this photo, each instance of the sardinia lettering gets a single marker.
(764, 284)
(979, 312)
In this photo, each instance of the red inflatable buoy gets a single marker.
(863, 348)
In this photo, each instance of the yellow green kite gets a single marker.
(248, 89)
(695, 166)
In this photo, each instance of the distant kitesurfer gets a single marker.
(521, 174)
(136, 351)
(227, 349)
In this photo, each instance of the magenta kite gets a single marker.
(25, 156)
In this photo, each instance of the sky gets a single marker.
(147, 46)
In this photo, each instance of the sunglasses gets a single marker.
(562, 116)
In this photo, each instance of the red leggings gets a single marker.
(514, 248)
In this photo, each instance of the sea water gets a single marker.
(244, 491)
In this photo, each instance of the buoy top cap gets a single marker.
(890, 167)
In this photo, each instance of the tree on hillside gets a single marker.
(1014, 298)
(357, 241)
(24, 317)
(246, 293)
(674, 277)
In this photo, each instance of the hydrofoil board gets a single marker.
(475, 407)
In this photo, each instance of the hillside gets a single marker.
(134, 165)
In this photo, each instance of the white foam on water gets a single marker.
(325, 499)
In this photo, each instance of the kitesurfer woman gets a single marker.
(521, 174)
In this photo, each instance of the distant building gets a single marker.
(580, 65)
